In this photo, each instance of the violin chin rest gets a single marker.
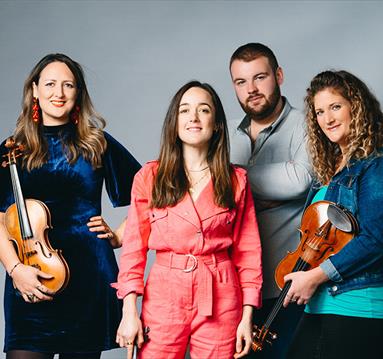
(340, 218)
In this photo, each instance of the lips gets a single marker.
(254, 98)
(194, 129)
(332, 128)
(58, 103)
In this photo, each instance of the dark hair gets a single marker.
(88, 141)
(171, 182)
(366, 127)
(252, 51)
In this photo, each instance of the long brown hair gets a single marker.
(88, 140)
(171, 182)
(366, 127)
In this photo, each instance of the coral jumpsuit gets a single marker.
(208, 265)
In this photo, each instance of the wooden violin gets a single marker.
(27, 222)
(325, 229)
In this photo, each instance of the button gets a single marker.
(334, 288)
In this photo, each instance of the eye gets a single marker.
(240, 82)
(260, 77)
(336, 107)
(319, 113)
(49, 84)
(183, 110)
(205, 109)
(69, 85)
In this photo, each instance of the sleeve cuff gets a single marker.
(331, 271)
(252, 296)
(124, 289)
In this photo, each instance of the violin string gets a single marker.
(15, 181)
(17, 202)
(301, 263)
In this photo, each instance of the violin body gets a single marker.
(38, 252)
(325, 229)
(27, 223)
(319, 240)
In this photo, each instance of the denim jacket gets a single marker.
(359, 188)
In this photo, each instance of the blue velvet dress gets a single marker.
(85, 316)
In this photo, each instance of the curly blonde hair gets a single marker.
(366, 127)
(88, 141)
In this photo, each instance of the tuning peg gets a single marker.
(273, 336)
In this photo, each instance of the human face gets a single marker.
(196, 118)
(56, 91)
(333, 113)
(257, 87)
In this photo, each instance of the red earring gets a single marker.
(76, 114)
(35, 110)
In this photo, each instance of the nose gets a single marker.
(194, 117)
(59, 91)
(251, 87)
(328, 118)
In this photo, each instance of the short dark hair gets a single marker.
(252, 51)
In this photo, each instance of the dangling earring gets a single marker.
(35, 110)
(75, 114)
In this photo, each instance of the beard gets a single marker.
(266, 109)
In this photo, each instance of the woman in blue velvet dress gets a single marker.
(65, 161)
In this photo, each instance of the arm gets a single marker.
(246, 256)
(365, 249)
(135, 241)
(286, 180)
(246, 250)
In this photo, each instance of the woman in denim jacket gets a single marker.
(344, 295)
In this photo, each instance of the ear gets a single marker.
(279, 76)
(34, 90)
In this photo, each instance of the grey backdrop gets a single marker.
(136, 54)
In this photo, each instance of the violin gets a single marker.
(27, 222)
(325, 229)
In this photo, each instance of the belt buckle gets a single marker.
(194, 265)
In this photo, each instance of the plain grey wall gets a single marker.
(136, 54)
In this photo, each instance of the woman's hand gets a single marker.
(130, 333)
(244, 333)
(303, 285)
(26, 281)
(97, 224)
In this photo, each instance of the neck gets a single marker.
(194, 158)
(54, 122)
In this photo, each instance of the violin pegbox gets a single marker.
(14, 151)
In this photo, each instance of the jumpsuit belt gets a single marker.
(189, 263)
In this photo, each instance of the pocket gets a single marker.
(157, 214)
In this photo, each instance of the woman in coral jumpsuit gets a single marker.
(196, 211)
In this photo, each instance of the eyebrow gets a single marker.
(54, 80)
(200, 104)
(257, 74)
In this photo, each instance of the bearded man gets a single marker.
(270, 143)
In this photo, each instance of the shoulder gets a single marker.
(241, 176)
(148, 170)
(111, 141)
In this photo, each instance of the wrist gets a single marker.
(10, 272)
(247, 313)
